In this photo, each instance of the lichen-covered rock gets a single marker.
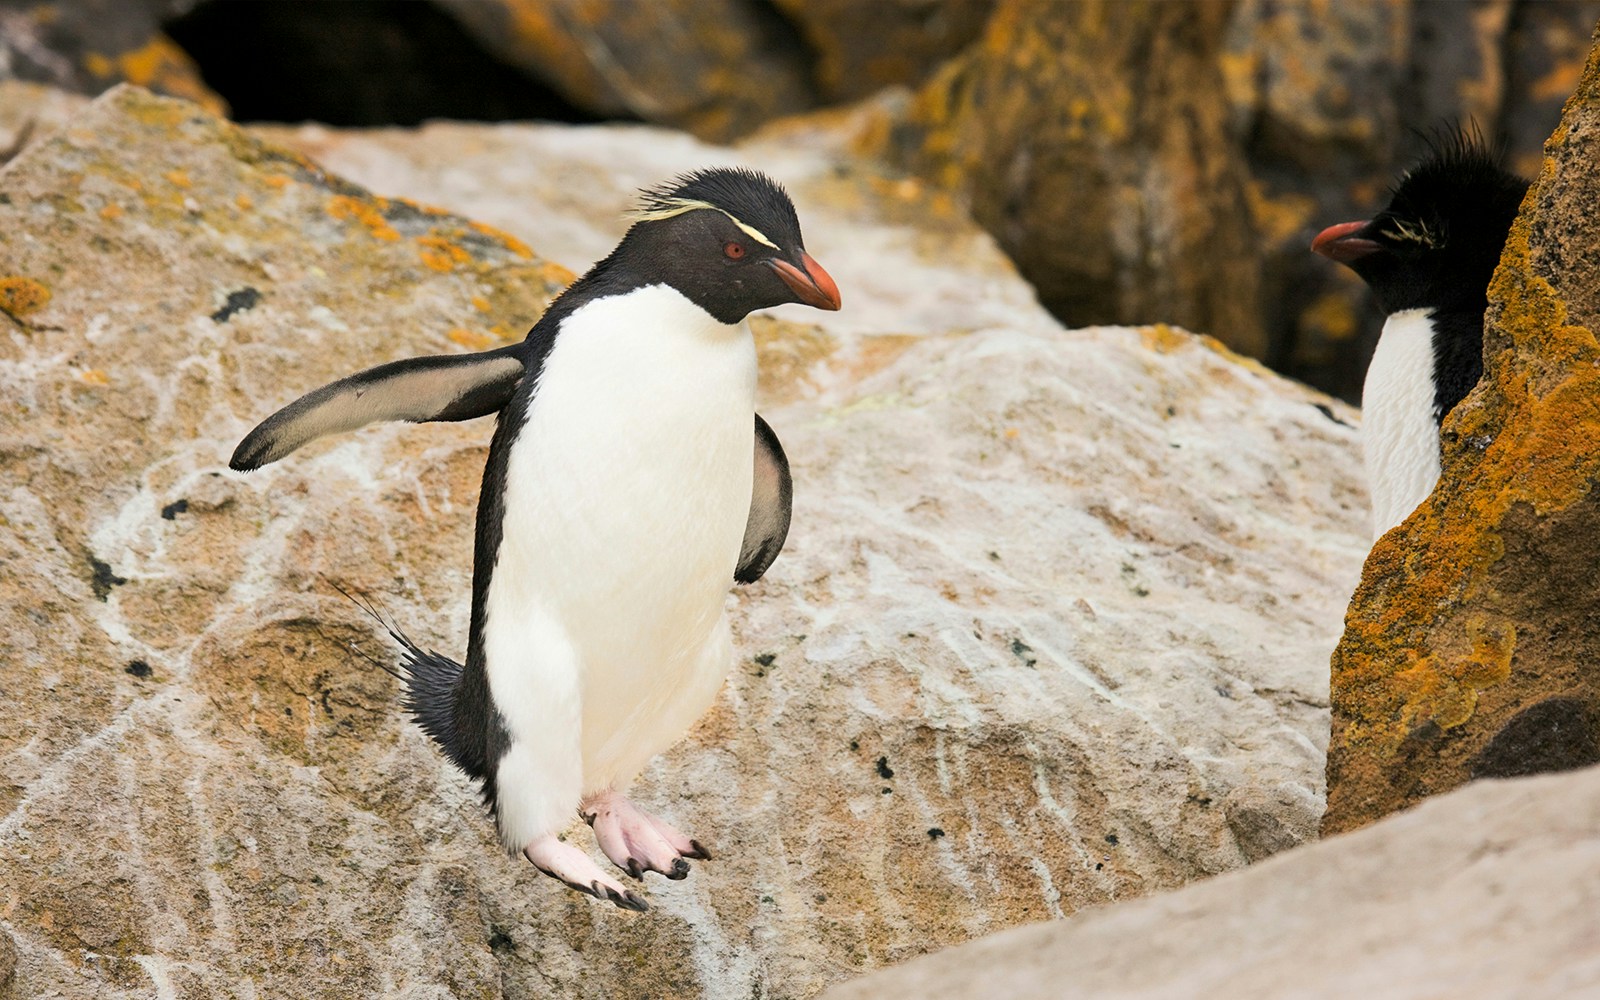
(1092, 139)
(90, 45)
(717, 68)
(1486, 893)
(1050, 629)
(1470, 648)
(860, 47)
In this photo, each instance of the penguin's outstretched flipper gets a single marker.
(440, 387)
(771, 503)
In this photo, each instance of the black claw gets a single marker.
(635, 869)
(698, 851)
(632, 901)
(680, 869)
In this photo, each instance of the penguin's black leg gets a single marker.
(636, 841)
(561, 860)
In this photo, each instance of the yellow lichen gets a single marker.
(471, 339)
(345, 207)
(20, 296)
(179, 178)
(95, 376)
(505, 239)
(244, 202)
(441, 254)
(480, 303)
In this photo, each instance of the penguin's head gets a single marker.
(1436, 244)
(728, 239)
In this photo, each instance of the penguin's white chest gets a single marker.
(1399, 437)
(628, 489)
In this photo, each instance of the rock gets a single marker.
(861, 47)
(8, 964)
(1092, 139)
(90, 45)
(363, 63)
(717, 68)
(1457, 898)
(1469, 648)
(1053, 599)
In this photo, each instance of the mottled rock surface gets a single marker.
(861, 47)
(1488, 893)
(1051, 628)
(1471, 647)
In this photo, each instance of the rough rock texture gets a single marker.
(860, 47)
(717, 68)
(1050, 629)
(1470, 648)
(1489, 893)
(1091, 139)
(90, 45)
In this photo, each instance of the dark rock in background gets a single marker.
(1163, 162)
(91, 45)
(717, 68)
(1470, 648)
(1092, 139)
(862, 47)
(360, 62)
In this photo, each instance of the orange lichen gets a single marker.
(178, 177)
(20, 296)
(480, 303)
(278, 181)
(505, 239)
(441, 254)
(370, 215)
(158, 64)
(1164, 339)
(110, 210)
(471, 339)
(244, 202)
(95, 376)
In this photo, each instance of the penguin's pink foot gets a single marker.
(563, 861)
(638, 842)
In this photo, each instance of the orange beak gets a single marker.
(814, 285)
(1341, 243)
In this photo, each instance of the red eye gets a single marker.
(733, 251)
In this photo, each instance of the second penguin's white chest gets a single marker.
(1399, 435)
(628, 488)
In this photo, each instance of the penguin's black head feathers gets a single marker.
(728, 239)
(1436, 244)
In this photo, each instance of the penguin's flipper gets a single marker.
(771, 502)
(441, 387)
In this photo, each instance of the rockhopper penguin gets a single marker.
(629, 484)
(1428, 258)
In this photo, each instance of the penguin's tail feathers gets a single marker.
(430, 680)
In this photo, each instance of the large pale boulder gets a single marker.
(1487, 893)
(1470, 648)
(1051, 628)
